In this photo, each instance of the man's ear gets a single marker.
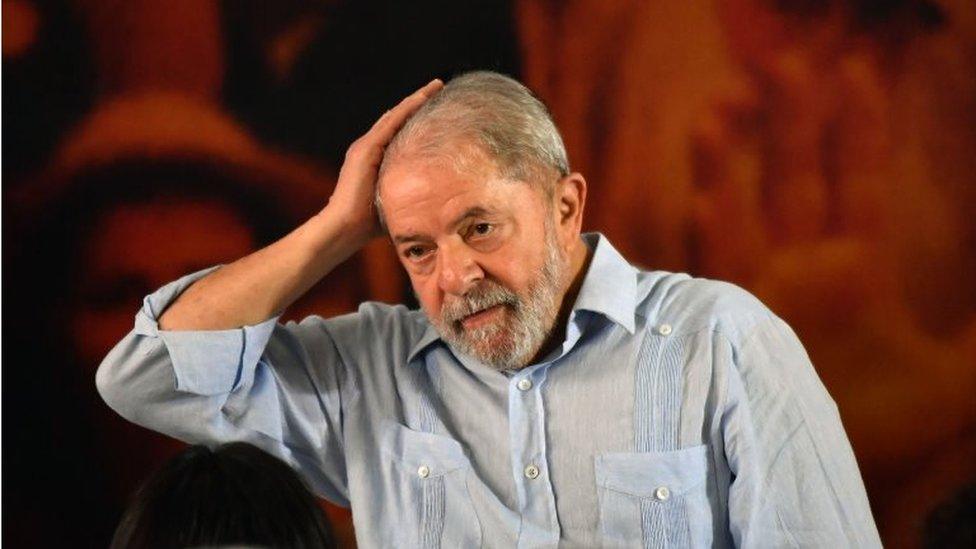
(569, 199)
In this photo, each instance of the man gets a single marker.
(547, 394)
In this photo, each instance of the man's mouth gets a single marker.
(482, 317)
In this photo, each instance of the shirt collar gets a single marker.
(610, 285)
(609, 288)
(430, 336)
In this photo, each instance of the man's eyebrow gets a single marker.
(400, 239)
(473, 211)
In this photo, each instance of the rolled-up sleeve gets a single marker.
(255, 383)
(795, 479)
(204, 362)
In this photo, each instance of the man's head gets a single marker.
(478, 198)
(494, 112)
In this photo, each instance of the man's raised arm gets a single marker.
(264, 283)
(215, 366)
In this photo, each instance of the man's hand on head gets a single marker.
(352, 199)
(260, 285)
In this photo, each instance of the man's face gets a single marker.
(482, 256)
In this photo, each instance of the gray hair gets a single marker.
(492, 111)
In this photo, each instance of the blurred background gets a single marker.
(822, 154)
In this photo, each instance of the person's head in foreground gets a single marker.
(234, 495)
(476, 193)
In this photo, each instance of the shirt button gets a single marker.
(524, 384)
(531, 472)
(662, 493)
(423, 471)
(664, 329)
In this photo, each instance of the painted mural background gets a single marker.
(820, 154)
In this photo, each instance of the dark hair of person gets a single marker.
(952, 524)
(235, 494)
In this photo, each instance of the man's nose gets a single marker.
(459, 271)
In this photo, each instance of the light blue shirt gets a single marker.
(678, 412)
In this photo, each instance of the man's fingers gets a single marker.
(412, 102)
(417, 98)
(370, 146)
(393, 119)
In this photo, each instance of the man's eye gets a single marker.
(415, 252)
(482, 228)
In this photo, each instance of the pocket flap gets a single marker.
(412, 450)
(641, 474)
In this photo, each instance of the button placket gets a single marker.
(527, 430)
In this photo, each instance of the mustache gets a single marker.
(484, 296)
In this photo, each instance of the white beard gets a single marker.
(508, 345)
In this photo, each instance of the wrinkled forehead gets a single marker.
(463, 157)
(428, 195)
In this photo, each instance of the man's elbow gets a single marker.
(106, 382)
(113, 380)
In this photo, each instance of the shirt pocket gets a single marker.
(654, 499)
(429, 475)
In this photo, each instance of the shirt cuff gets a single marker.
(206, 362)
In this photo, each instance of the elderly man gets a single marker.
(547, 394)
